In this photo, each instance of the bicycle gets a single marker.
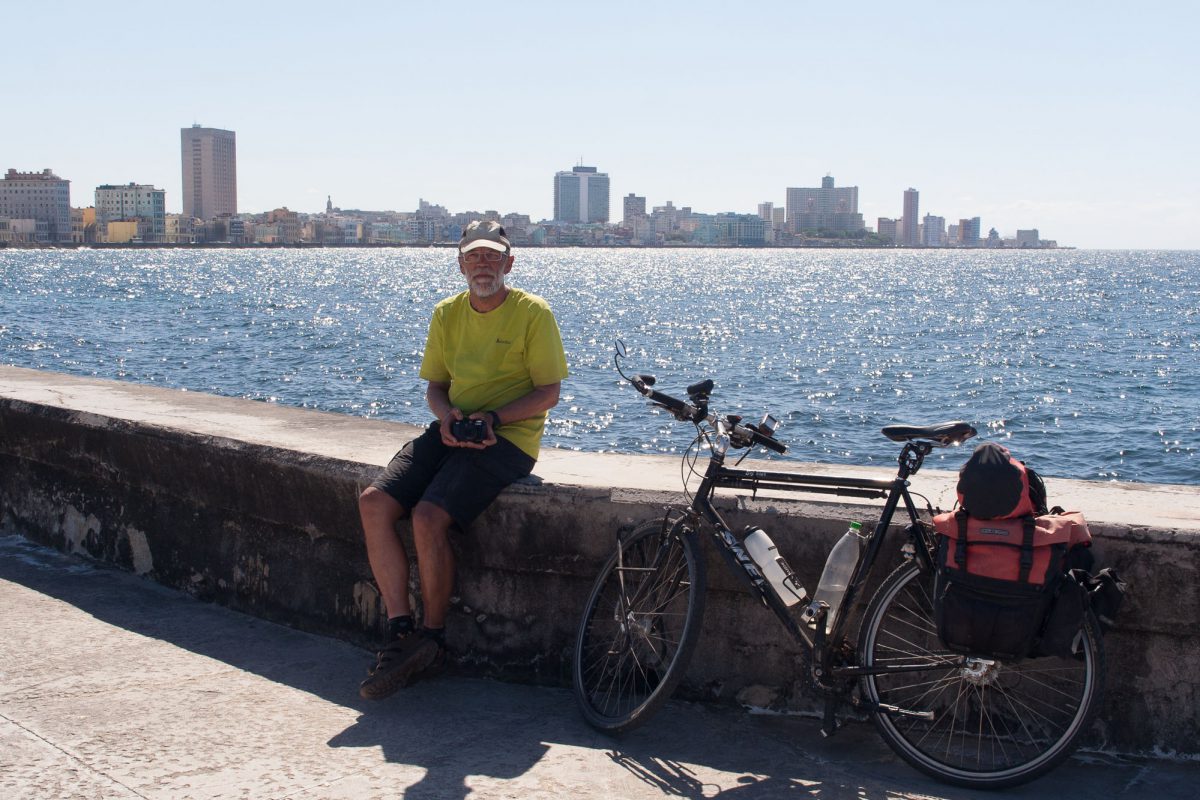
(971, 721)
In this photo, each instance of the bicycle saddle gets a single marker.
(943, 434)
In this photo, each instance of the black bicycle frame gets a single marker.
(893, 491)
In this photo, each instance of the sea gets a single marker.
(1086, 364)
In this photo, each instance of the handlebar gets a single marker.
(696, 411)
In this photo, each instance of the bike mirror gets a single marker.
(620, 348)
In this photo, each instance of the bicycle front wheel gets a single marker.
(640, 626)
(993, 723)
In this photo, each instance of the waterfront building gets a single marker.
(23, 231)
(83, 225)
(968, 232)
(517, 227)
(766, 210)
(827, 209)
(287, 225)
(179, 229)
(41, 196)
(134, 201)
(909, 235)
(121, 231)
(1028, 238)
(634, 208)
(581, 195)
(933, 231)
(885, 227)
(209, 158)
(743, 230)
(665, 220)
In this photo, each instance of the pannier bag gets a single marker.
(1078, 591)
(997, 579)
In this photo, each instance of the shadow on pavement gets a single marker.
(456, 728)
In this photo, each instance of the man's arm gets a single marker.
(542, 398)
(437, 397)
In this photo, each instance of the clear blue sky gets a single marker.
(1077, 118)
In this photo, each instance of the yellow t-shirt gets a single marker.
(492, 359)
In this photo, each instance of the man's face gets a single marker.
(484, 269)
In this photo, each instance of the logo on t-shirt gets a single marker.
(503, 341)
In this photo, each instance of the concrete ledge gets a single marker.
(253, 505)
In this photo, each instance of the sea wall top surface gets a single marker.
(355, 439)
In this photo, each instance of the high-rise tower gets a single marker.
(581, 195)
(829, 208)
(911, 222)
(209, 157)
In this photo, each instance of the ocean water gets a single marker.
(1085, 363)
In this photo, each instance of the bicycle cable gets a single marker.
(688, 470)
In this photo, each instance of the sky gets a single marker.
(1078, 119)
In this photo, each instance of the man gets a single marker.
(494, 356)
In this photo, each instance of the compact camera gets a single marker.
(469, 430)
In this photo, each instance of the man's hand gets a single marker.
(447, 424)
(490, 439)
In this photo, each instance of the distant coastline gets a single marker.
(813, 245)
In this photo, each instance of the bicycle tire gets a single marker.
(626, 668)
(996, 725)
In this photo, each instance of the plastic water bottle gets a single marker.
(838, 569)
(774, 568)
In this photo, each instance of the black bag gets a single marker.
(1079, 591)
(994, 485)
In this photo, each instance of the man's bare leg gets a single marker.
(435, 560)
(389, 563)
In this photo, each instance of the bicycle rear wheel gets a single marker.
(995, 723)
(640, 626)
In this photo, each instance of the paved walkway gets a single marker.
(114, 687)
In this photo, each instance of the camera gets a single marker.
(469, 430)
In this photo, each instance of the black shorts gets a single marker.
(462, 481)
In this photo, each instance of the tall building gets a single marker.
(581, 195)
(766, 210)
(634, 207)
(145, 204)
(209, 157)
(968, 232)
(828, 208)
(910, 230)
(933, 231)
(42, 197)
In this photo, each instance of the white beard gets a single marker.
(482, 289)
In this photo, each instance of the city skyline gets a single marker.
(1075, 123)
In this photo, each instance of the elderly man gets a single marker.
(494, 362)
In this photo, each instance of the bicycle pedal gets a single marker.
(904, 712)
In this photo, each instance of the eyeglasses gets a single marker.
(484, 255)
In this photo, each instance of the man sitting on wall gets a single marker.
(494, 362)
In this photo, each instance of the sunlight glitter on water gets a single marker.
(1086, 363)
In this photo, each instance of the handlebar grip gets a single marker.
(666, 400)
(770, 444)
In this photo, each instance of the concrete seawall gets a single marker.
(253, 506)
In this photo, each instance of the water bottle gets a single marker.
(836, 575)
(774, 568)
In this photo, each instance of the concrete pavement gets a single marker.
(114, 687)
